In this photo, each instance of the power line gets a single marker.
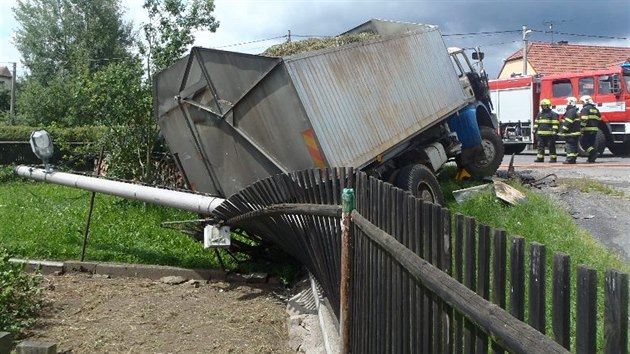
(249, 42)
(585, 35)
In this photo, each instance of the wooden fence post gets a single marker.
(537, 279)
(561, 309)
(517, 278)
(616, 312)
(499, 266)
(347, 199)
(586, 326)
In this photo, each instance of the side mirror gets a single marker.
(615, 84)
(477, 55)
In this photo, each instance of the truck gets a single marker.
(398, 106)
(516, 102)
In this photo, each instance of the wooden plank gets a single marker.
(459, 276)
(419, 251)
(517, 277)
(561, 309)
(447, 266)
(436, 257)
(483, 279)
(427, 311)
(615, 312)
(586, 326)
(537, 271)
(499, 283)
(515, 336)
(470, 271)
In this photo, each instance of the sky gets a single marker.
(494, 25)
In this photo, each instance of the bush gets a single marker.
(20, 296)
(7, 175)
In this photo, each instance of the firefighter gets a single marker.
(546, 130)
(570, 130)
(589, 120)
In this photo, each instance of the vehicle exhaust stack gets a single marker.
(196, 203)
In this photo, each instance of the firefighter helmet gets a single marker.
(571, 101)
(545, 102)
(586, 99)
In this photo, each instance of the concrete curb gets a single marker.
(152, 272)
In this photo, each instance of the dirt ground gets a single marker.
(90, 314)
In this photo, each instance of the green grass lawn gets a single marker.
(45, 221)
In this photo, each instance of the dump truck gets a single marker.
(398, 106)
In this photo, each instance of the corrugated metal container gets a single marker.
(235, 118)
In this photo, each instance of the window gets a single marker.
(586, 86)
(605, 84)
(562, 88)
(457, 66)
(626, 78)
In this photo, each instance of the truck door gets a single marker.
(611, 105)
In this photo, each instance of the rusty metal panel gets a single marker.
(366, 98)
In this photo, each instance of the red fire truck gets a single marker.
(516, 104)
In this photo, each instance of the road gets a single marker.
(608, 169)
(606, 217)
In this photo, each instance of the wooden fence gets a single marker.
(424, 281)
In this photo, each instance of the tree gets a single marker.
(169, 32)
(120, 99)
(61, 36)
(5, 98)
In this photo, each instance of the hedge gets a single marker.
(73, 134)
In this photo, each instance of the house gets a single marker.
(5, 77)
(562, 57)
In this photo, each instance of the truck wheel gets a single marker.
(600, 145)
(493, 149)
(620, 149)
(510, 149)
(421, 182)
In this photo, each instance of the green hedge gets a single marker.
(74, 134)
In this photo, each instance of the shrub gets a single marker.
(20, 296)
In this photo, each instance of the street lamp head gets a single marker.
(42, 146)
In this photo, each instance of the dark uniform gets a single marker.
(590, 118)
(546, 128)
(570, 130)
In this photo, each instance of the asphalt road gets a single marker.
(611, 170)
(605, 216)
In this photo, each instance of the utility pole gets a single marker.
(526, 33)
(11, 110)
(289, 37)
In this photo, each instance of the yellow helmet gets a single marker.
(545, 102)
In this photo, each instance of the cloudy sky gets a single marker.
(494, 25)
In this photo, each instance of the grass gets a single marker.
(542, 220)
(586, 185)
(45, 221)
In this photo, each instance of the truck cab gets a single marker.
(475, 86)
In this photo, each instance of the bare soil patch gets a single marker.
(88, 314)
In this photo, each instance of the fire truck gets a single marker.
(516, 104)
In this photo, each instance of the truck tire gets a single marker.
(493, 149)
(510, 149)
(620, 149)
(421, 182)
(600, 145)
